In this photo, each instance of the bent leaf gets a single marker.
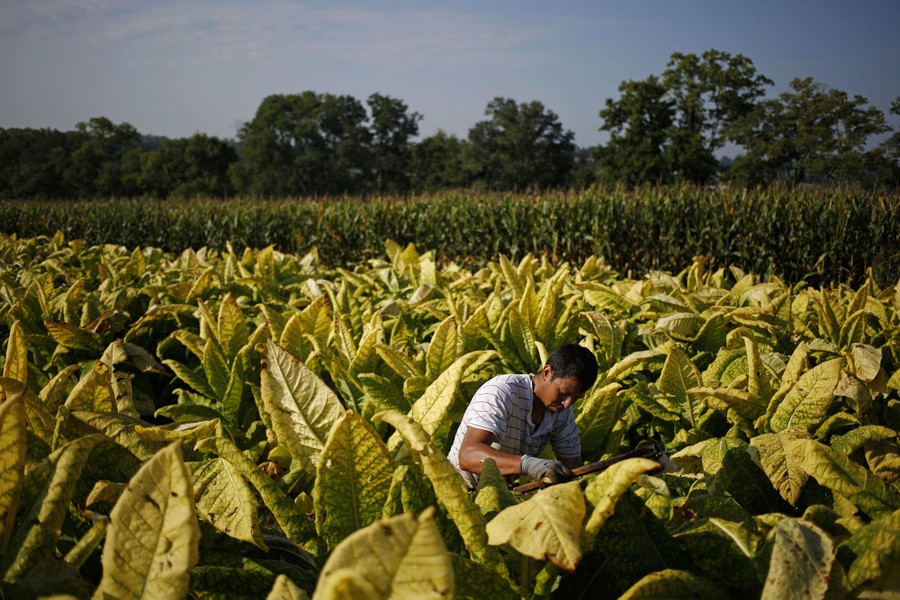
(153, 537)
(875, 548)
(801, 562)
(302, 408)
(787, 477)
(435, 405)
(398, 557)
(38, 539)
(449, 488)
(353, 479)
(673, 584)
(547, 526)
(840, 474)
(604, 490)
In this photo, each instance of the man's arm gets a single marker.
(476, 446)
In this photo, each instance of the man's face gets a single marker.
(559, 393)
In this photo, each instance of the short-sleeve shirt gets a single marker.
(503, 406)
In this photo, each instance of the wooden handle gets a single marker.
(594, 467)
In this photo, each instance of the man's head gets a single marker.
(570, 371)
(575, 361)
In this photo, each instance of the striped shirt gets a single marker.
(503, 406)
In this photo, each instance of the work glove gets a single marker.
(548, 472)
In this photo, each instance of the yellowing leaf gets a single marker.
(352, 480)
(226, 500)
(37, 540)
(432, 409)
(15, 366)
(806, 405)
(787, 477)
(604, 490)
(449, 488)
(400, 557)
(673, 584)
(153, 537)
(801, 562)
(547, 526)
(301, 407)
(12, 463)
(837, 472)
(679, 374)
(876, 549)
(285, 589)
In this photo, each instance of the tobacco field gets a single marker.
(262, 424)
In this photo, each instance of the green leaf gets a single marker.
(848, 443)
(678, 375)
(547, 526)
(233, 328)
(801, 562)
(434, 407)
(633, 363)
(288, 515)
(442, 349)
(400, 557)
(301, 407)
(597, 415)
(12, 459)
(748, 484)
(673, 584)
(153, 538)
(37, 539)
(15, 365)
(839, 473)
(683, 326)
(449, 488)
(353, 479)
(74, 338)
(724, 551)
(122, 430)
(604, 490)
(608, 339)
(875, 549)
(787, 477)
(474, 580)
(492, 494)
(807, 404)
(226, 500)
(746, 405)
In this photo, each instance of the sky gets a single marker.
(175, 68)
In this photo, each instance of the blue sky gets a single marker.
(175, 68)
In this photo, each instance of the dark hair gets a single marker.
(575, 361)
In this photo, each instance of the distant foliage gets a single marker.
(798, 234)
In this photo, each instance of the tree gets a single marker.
(521, 145)
(810, 133)
(95, 167)
(438, 162)
(186, 167)
(304, 144)
(33, 163)
(392, 130)
(669, 128)
(639, 123)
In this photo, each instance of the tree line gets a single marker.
(667, 128)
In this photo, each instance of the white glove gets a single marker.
(544, 470)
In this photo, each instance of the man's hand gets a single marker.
(545, 471)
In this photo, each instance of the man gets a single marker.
(512, 418)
